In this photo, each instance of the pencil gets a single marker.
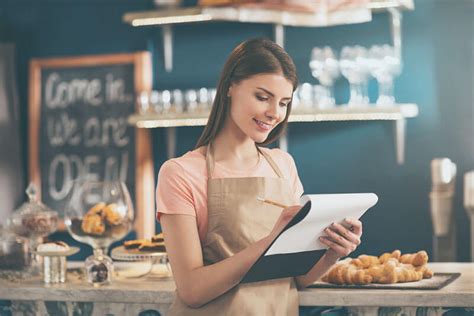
(272, 202)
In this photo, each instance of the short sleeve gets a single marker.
(294, 178)
(173, 192)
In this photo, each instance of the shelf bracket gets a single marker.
(400, 125)
(396, 30)
(167, 34)
(279, 35)
(400, 129)
(171, 142)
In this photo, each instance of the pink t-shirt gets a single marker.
(182, 183)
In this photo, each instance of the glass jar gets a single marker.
(99, 268)
(14, 255)
(33, 219)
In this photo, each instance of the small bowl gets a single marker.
(161, 268)
(133, 269)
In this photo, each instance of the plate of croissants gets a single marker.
(391, 270)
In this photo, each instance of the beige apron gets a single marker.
(236, 220)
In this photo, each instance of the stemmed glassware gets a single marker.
(354, 66)
(325, 67)
(384, 64)
(155, 101)
(99, 213)
(305, 96)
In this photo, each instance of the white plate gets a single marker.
(71, 251)
(132, 269)
(120, 253)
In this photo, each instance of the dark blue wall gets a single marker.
(331, 157)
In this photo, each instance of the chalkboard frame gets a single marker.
(144, 173)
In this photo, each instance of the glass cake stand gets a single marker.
(135, 263)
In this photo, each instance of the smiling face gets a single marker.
(259, 103)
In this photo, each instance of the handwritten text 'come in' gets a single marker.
(103, 139)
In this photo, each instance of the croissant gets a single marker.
(389, 268)
(346, 273)
(427, 273)
(416, 259)
(377, 272)
(365, 261)
(96, 209)
(386, 256)
(111, 215)
(93, 224)
(407, 273)
(383, 273)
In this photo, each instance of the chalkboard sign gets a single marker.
(78, 128)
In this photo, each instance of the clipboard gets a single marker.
(297, 248)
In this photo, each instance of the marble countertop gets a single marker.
(145, 290)
(459, 293)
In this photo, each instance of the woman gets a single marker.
(215, 228)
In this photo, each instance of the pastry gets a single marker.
(416, 259)
(388, 255)
(96, 209)
(134, 244)
(111, 214)
(389, 268)
(158, 238)
(99, 217)
(426, 272)
(364, 261)
(149, 246)
(346, 273)
(93, 224)
(55, 246)
(407, 273)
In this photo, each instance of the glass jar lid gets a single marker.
(6, 235)
(33, 218)
(33, 205)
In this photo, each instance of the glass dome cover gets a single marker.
(33, 219)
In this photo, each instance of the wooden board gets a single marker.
(438, 281)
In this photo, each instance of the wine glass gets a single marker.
(166, 101)
(203, 100)
(325, 67)
(177, 101)
(99, 213)
(354, 66)
(305, 96)
(156, 103)
(191, 99)
(384, 64)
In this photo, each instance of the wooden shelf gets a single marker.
(259, 15)
(342, 113)
(165, 19)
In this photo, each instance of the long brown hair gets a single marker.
(252, 57)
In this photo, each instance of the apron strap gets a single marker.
(210, 161)
(271, 162)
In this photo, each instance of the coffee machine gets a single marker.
(469, 204)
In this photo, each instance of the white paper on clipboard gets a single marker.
(325, 209)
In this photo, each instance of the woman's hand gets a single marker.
(342, 240)
(285, 217)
